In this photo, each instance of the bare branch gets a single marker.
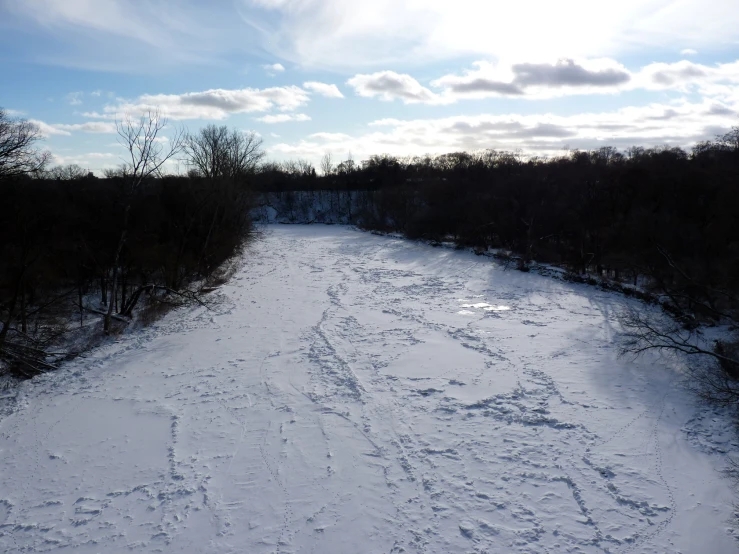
(18, 152)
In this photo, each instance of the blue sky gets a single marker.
(406, 77)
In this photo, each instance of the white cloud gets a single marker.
(379, 33)
(94, 161)
(324, 89)
(536, 80)
(273, 69)
(209, 104)
(330, 136)
(140, 35)
(96, 93)
(99, 155)
(126, 35)
(547, 80)
(684, 73)
(283, 118)
(74, 98)
(47, 130)
(389, 85)
(688, 52)
(64, 129)
(679, 123)
(89, 127)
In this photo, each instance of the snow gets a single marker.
(340, 402)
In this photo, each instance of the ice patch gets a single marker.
(484, 306)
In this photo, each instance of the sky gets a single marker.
(356, 78)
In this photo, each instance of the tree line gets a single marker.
(78, 251)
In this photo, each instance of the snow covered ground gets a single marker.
(367, 394)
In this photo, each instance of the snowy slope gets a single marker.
(367, 394)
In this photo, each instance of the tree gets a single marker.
(18, 152)
(327, 164)
(729, 141)
(715, 373)
(141, 138)
(69, 172)
(347, 167)
(216, 152)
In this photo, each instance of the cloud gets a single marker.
(389, 85)
(567, 73)
(99, 155)
(688, 52)
(382, 33)
(480, 85)
(329, 91)
(273, 69)
(283, 118)
(678, 123)
(718, 109)
(209, 104)
(719, 81)
(94, 161)
(96, 93)
(74, 98)
(64, 129)
(511, 129)
(667, 75)
(139, 36)
(144, 35)
(548, 80)
(47, 130)
(89, 127)
(536, 80)
(330, 136)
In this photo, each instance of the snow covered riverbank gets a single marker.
(367, 394)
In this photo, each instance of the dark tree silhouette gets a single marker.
(19, 154)
(217, 152)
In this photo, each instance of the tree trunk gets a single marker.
(116, 263)
(24, 321)
(103, 291)
(79, 301)
(124, 282)
(11, 312)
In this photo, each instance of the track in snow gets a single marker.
(366, 394)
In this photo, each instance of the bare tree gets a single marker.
(146, 156)
(18, 152)
(714, 373)
(327, 164)
(347, 167)
(217, 152)
(66, 172)
(298, 168)
(146, 152)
